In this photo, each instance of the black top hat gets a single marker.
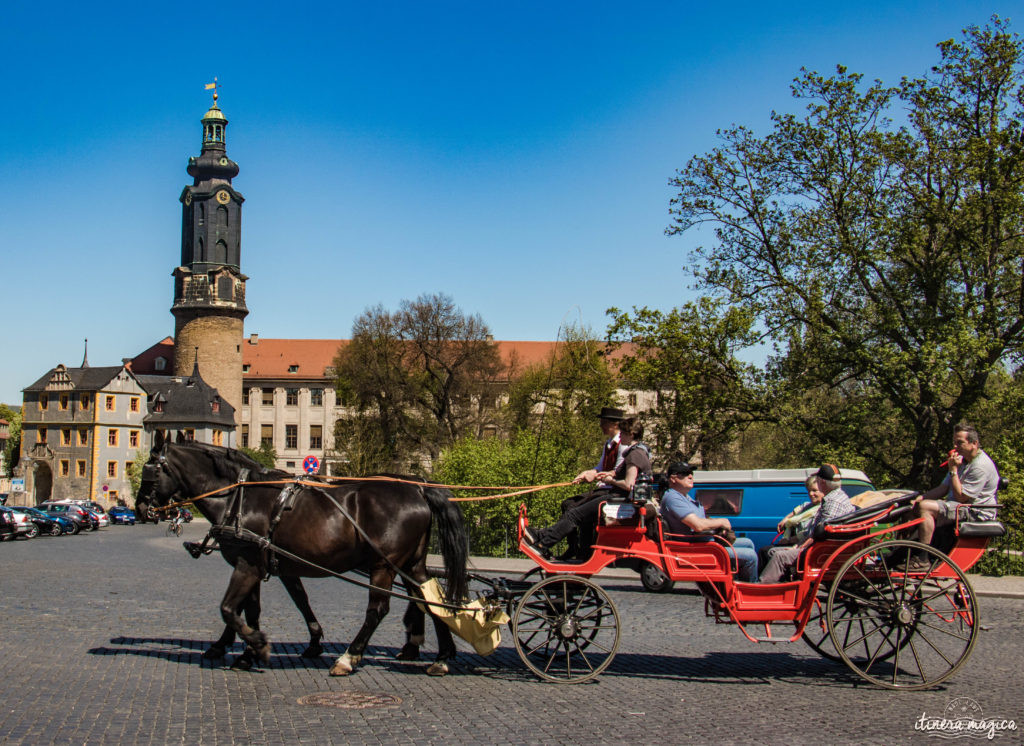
(611, 413)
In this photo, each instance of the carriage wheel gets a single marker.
(899, 628)
(566, 629)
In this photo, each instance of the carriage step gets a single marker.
(770, 639)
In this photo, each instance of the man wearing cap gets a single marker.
(685, 515)
(835, 504)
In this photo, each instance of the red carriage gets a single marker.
(856, 597)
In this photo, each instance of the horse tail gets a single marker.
(454, 544)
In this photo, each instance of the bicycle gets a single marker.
(174, 527)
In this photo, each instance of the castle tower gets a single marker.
(209, 287)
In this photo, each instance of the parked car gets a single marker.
(81, 516)
(121, 514)
(44, 524)
(23, 525)
(7, 525)
(100, 516)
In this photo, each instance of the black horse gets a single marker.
(379, 527)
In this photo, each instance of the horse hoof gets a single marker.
(409, 652)
(263, 653)
(215, 653)
(313, 651)
(437, 668)
(340, 668)
(242, 663)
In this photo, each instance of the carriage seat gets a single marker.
(981, 528)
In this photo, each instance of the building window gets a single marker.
(190, 434)
(83, 437)
(290, 464)
(316, 436)
(134, 404)
(215, 406)
(80, 467)
(291, 436)
(83, 401)
(158, 405)
(112, 469)
(631, 399)
(245, 436)
(112, 436)
(267, 435)
(129, 466)
(65, 437)
(109, 403)
(246, 367)
(160, 363)
(133, 438)
(316, 397)
(64, 399)
(42, 435)
(218, 437)
(65, 467)
(293, 368)
(291, 397)
(112, 495)
(44, 401)
(268, 397)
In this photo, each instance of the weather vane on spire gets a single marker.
(213, 87)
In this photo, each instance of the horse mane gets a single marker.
(228, 462)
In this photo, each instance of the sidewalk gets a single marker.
(1010, 586)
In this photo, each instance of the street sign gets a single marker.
(17, 485)
(106, 487)
(311, 464)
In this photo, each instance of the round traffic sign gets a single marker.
(311, 464)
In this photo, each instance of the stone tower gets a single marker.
(209, 287)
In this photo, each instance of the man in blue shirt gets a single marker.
(686, 516)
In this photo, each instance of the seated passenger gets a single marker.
(794, 526)
(834, 504)
(972, 481)
(686, 516)
(618, 483)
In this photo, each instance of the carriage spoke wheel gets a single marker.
(899, 627)
(566, 629)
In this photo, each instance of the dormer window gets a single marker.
(160, 363)
(215, 405)
(293, 368)
(246, 368)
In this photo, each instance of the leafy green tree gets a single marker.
(135, 473)
(883, 260)
(521, 460)
(561, 398)
(704, 396)
(417, 379)
(265, 455)
(12, 448)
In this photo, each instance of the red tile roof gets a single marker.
(272, 358)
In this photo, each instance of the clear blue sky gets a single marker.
(513, 155)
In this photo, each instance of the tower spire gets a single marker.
(85, 355)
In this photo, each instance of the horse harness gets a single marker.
(231, 531)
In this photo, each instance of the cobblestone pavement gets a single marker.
(102, 636)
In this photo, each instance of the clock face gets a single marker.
(223, 197)
(223, 161)
(188, 198)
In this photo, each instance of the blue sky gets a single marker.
(515, 156)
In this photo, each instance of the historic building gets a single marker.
(81, 429)
(209, 287)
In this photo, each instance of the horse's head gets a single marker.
(160, 485)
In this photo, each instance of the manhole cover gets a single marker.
(350, 700)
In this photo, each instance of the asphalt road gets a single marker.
(102, 636)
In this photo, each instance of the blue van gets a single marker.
(755, 501)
